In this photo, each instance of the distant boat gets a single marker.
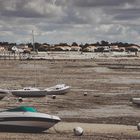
(29, 92)
(26, 119)
(3, 93)
(57, 89)
(136, 101)
(36, 92)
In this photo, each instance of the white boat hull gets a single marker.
(57, 91)
(35, 92)
(136, 101)
(25, 126)
(27, 122)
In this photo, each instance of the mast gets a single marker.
(33, 39)
(34, 58)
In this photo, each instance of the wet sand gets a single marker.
(109, 84)
(92, 128)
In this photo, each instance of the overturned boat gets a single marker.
(29, 92)
(3, 93)
(26, 119)
(57, 89)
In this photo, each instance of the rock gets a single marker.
(78, 131)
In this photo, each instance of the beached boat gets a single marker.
(136, 101)
(26, 119)
(57, 89)
(3, 93)
(29, 92)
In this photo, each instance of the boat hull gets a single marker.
(58, 92)
(25, 126)
(29, 93)
(136, 101)
(20, 129)
(27, 122)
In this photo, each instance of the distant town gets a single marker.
(103, 46)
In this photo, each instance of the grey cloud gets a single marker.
(127, 14)
(67, 20)
(73, 17)
(24, 14)
(28, 8)
(98, 3)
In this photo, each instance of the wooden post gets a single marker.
(4, 55)
(14, 56)
(9, 55)
(136, 53)
(19, 56)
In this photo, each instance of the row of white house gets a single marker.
(89, 48)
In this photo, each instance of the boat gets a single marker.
(26, 119)
(136, 101)
(3, 93)
(29, 92)
(57, 89)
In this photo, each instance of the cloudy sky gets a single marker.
(55, 21)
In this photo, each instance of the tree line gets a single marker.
(101, 43)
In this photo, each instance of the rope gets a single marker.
(56, 130)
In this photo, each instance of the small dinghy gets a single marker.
(29, 92)
(136, 101)
(57, 89)
(26, 119)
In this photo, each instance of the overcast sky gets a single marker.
(55, 21)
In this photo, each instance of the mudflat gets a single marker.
(109, 84)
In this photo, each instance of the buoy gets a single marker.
(20, 99)
(78, 131)
(85, 93)
(53, 96)
(138, 126)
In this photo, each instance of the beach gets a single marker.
(105, 113)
